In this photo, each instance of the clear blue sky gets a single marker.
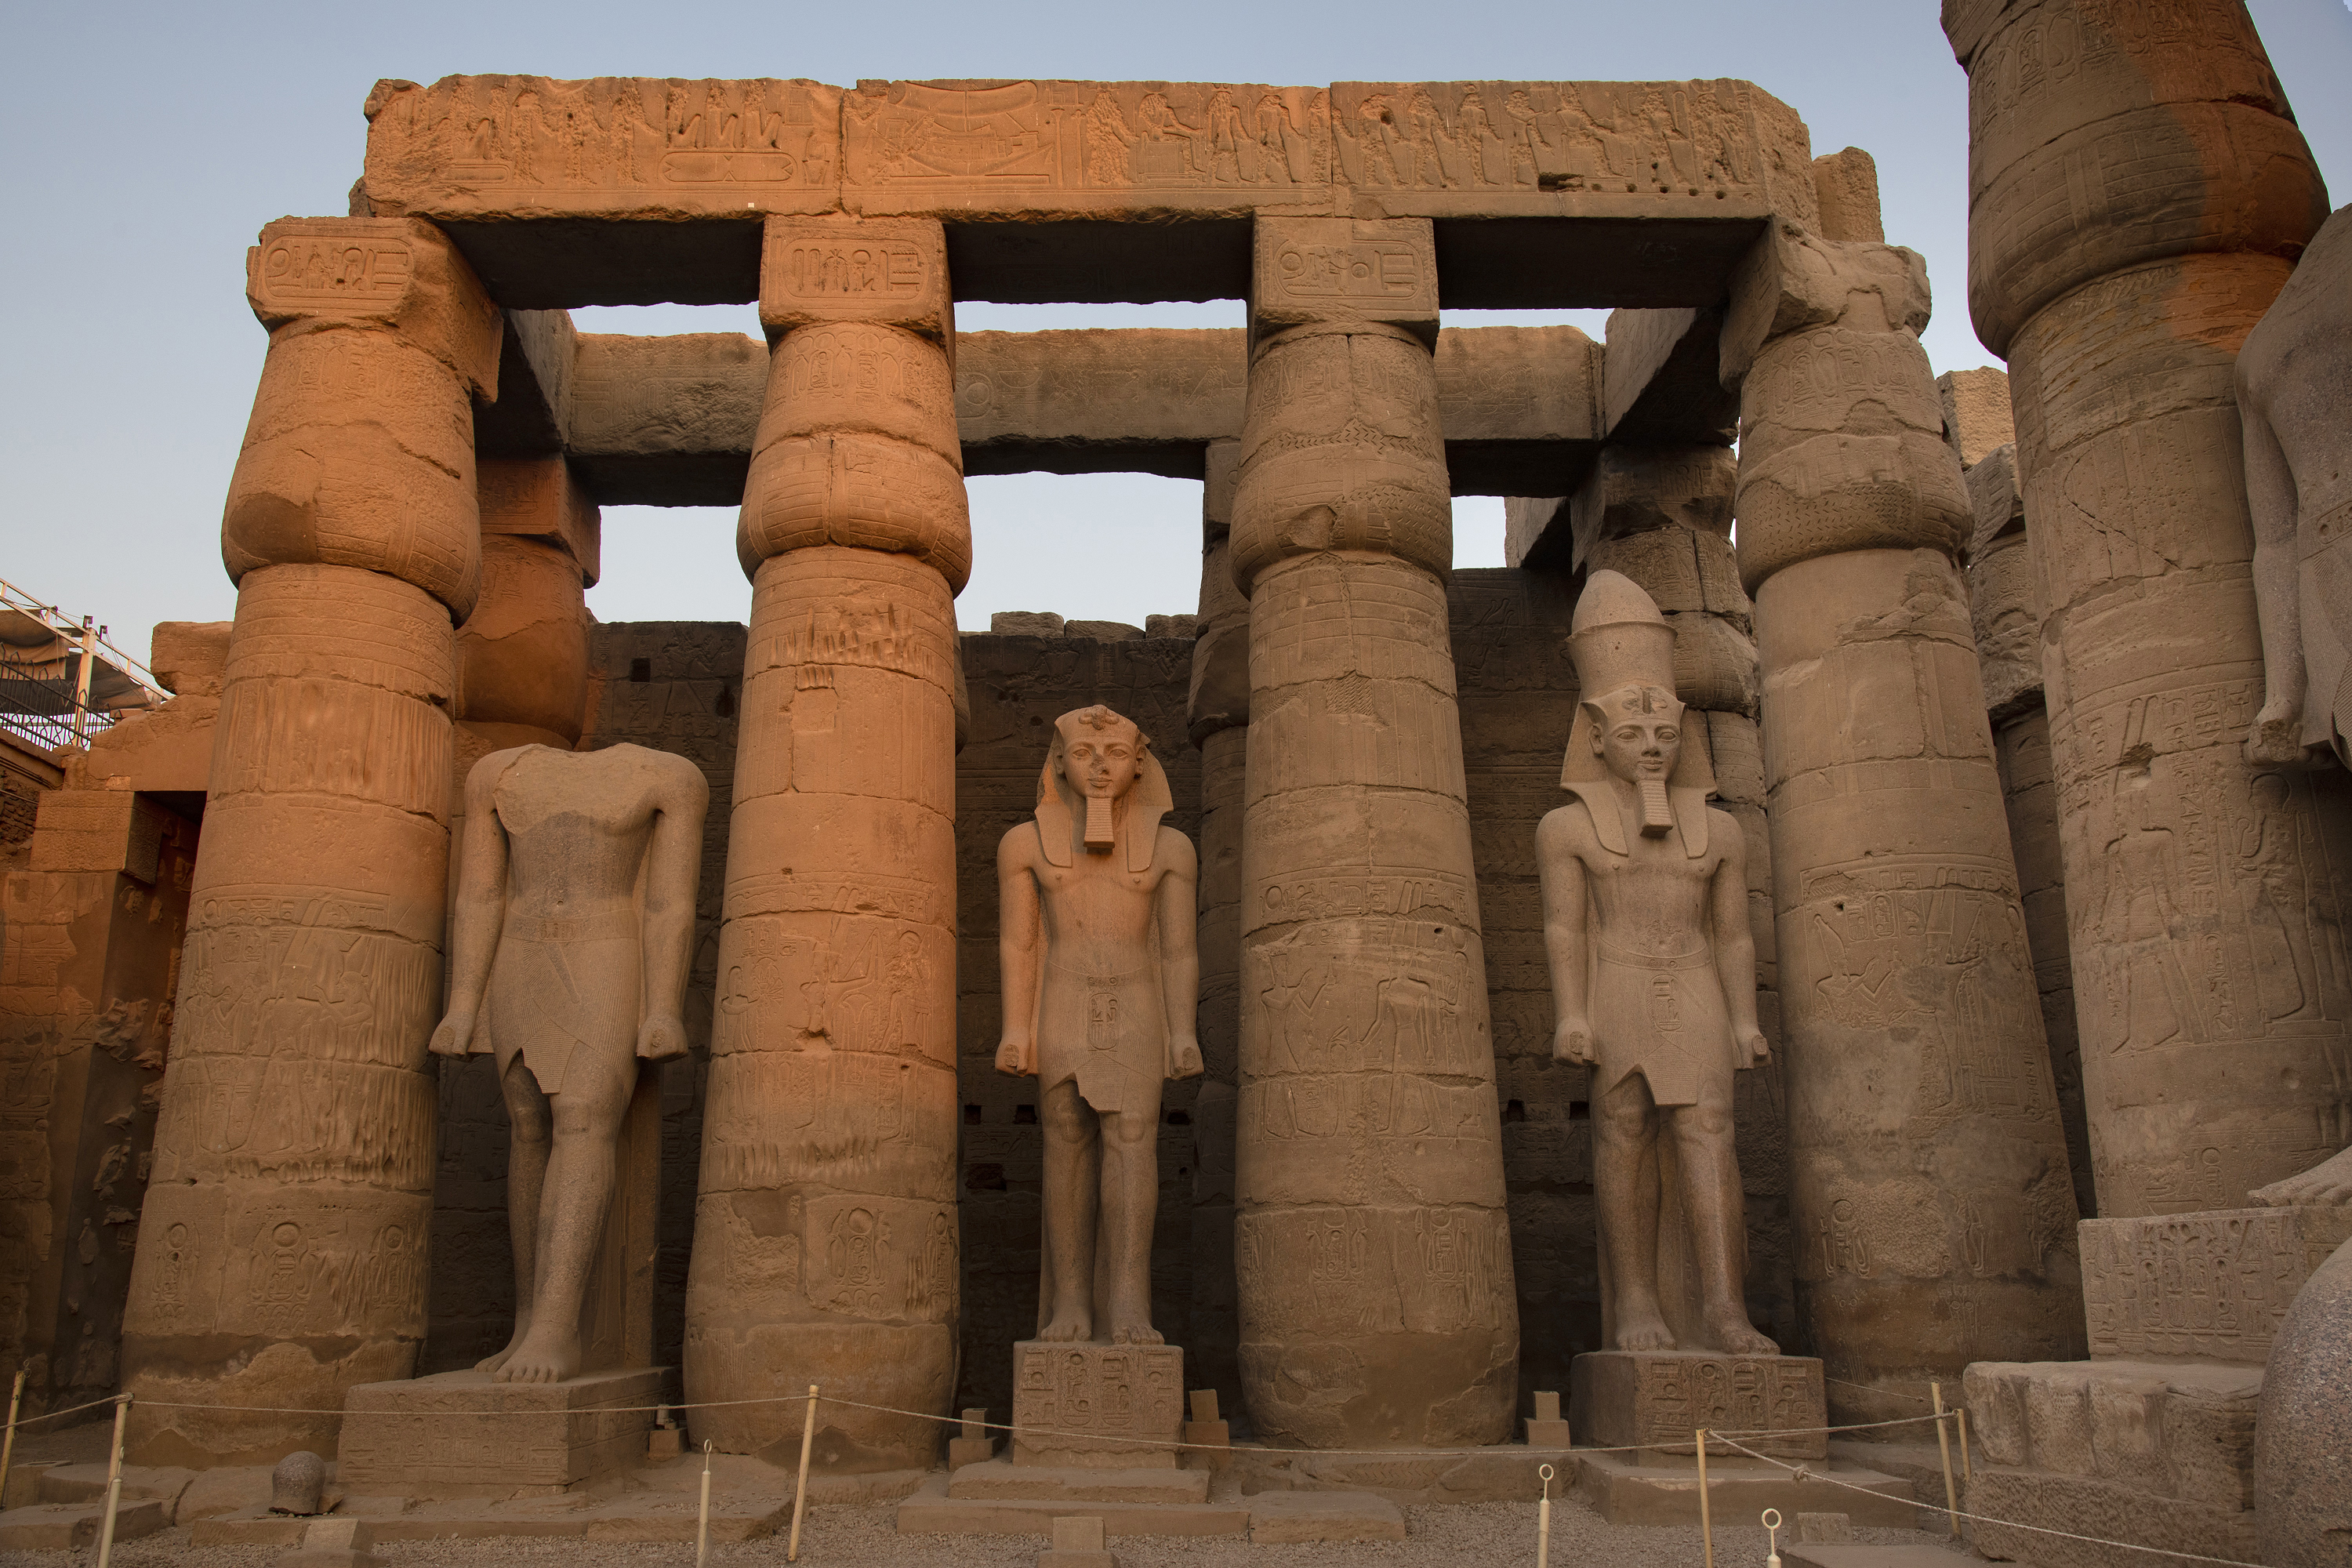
(153, 140)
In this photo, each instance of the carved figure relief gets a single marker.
(1101, 983)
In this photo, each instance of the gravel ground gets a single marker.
(1440, 1537)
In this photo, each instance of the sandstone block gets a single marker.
(66, 1525)
(861, 491)
(1641, 489)
(1841, 493)
(1663, 383)
(189, 657)
(522, 655)
(1656, 1399)
(861, 377)
(424, 1437)
(1097, 1406)
(882, 272)
(543, 498)
(1846, 184)
(1078, 1543)
(319, 274)
(1977, 418)
(1025, 624)
(97, 830)
(2214, 1286)
(1279, 1517)
(333, 1543)
(1182, 627)
(1791, 281)
(667, 420)
(1343, 272)
(1103, 631)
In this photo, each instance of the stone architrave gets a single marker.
(281, 1256)
(1101, 981)
(1373, 1252)
(1218, 716)
(1654, 983)
(826, 1246)
(1930, 1193)
(2203, 889)
(574, 929)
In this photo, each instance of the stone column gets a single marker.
(2204, 894)
(2005, 607)
(1371, 1246)
(1218, 715)
(825, 1233)
(1934, 1216)
(281, 1253)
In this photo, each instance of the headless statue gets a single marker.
(1652, 968)
(1102, 980)
(578, 988)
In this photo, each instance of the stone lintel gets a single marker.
(640, 190)
(534, 404)
(1664, 387)
(670, 421)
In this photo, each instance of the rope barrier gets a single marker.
(1804, 1473)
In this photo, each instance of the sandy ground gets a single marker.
(1440, 1537)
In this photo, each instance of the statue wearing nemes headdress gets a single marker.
(1652, 971)
(1102, 980)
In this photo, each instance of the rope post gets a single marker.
(800, 1492)
(1771, 1518)
(1968, 1471)
(114, 1481)
(1543, 1520)
(8, 1443)
(1944, 1442)
(702, 1519)
(1705, 1515)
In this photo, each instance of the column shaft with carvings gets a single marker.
(826, 1233)
(2204, 893)
(1933, 1209)
(281, 1253)
(1371, 1244)
(1218, 716)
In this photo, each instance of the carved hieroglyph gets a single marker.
(1371, 1247)
(649, 147)
(1931, 1192)
(1102, 978)
(825, 1233)
(2294, 376)
(554, 970)
(282, 1253)
(2203, 891)
(1658, 1399)
(1653, 982)
(1097, 1406)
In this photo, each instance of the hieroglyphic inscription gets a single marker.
(772, 1126)
(319, 269)
(1068, 1392)
(1333, 1272)
(2214, 1286)
(1674, 1395)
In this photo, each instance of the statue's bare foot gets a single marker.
(2329, 1182)
(1135, 1334)
(490, 1363)
(1067, 1327)
(541, 1359)
(1731, 1330)
(1644, 1332)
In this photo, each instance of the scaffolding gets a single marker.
(61, 683)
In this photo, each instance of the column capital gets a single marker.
(890, 272)
(1339, 272)
(309, 274)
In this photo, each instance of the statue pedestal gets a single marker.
(459, 1434)
(1096, 1407)
(1656, 1400)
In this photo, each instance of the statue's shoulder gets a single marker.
(1568, 827)
(1019, 843)
(1723, 833)
(1174, 852)
(485, 773)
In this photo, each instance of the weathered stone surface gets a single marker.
(1664, 385)
(671, 178)
(2294, 376)
(1097, 1406)
(1977, 418)
(428, 1436)
(1623, 1491)
(1846, 184)
(2104, 137)
(1654, 1400)
(2215, 1286)
(2107, 1510)
(666, 421)
(1280, 1517)
(2303, 1492)
(188, 656)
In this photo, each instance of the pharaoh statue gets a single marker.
(1652, 971)
(2295, 381)
(1101, 981)
(574, 925)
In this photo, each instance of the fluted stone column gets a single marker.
(1934, 1216)
(1371, 1246)
(826, 1243)
(1218, 718)
(2137, 190)
(282, 1249)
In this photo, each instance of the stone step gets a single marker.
(2180, 1430)
(2086, 1505)
(1071, 1483)
(1279, 1517)
(1626, 1493)
(931, 1511)
(1861, 1554)
(87, 1482)
(49, 1526)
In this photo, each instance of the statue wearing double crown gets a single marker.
(1653, 974)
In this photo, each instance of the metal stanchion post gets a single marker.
(1771, 1517)
(1543, 1521)
(8, 1443)
(1944, 1441)
(800, 1493)
(1706, 1516)
(114, 1481)
(702, 1520)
